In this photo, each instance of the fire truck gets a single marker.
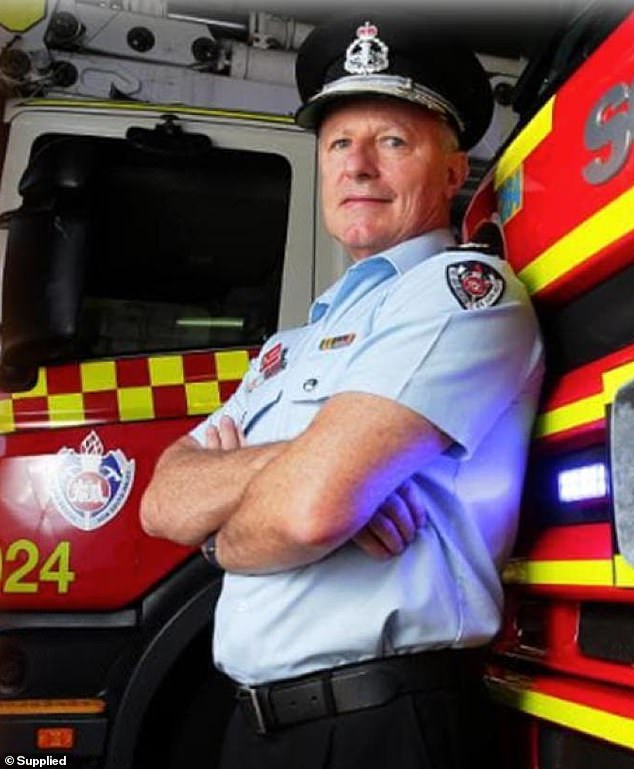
(557, 204)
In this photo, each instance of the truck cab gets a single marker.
(149, 252)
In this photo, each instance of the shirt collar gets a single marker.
(411, 252)
(400, 258)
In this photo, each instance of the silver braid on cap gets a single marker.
(392, 85)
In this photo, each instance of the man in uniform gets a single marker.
(361, 487)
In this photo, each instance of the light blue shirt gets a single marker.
(395, 325)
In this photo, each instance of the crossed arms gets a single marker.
(282, 505)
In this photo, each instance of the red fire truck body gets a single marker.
(558, 203)
(79, 575)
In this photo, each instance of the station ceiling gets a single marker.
(506, 29)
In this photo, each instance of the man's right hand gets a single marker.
(395, 523)
(194, 491)
(228, 436)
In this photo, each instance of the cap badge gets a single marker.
(366, 54)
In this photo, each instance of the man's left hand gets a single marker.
(395, 523)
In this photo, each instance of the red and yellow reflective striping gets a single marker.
(125, 390)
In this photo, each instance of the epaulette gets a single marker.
(484, 248)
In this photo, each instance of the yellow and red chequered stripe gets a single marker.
(126, 390)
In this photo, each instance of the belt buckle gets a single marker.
(250, 695)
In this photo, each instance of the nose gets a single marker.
(360, 162)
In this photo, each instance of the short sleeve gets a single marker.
(459, 368)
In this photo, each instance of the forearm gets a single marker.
(195, 490)
(389, 531)
(319, 493)
(254, 540)
(287, 518)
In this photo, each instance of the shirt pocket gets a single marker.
(260, 401)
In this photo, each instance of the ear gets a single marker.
(457, 172)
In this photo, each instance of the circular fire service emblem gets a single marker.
(89, 487)
(475, 284)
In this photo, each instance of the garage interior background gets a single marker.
(243, 52)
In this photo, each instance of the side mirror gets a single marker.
(17, 379)
(46, 251)
(42, 282)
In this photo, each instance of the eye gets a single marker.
(339, 144)
(392, 141)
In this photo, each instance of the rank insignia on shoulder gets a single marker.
(490, 249)
(334, 342)
(475, 285)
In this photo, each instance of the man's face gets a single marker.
(388, 173)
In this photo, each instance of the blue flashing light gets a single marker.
(579, 484)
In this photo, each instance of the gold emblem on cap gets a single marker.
(367, 53)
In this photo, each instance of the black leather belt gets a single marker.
(354, 687)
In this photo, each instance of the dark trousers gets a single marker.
(442, 729)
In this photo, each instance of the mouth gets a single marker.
(363, 200)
